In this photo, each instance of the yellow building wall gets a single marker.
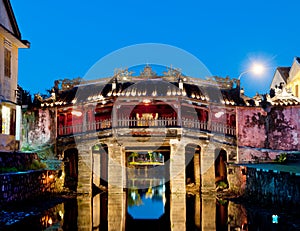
(8, 85)
(294, 85)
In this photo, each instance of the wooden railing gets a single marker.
(158, 123)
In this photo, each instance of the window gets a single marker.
(296, 91)
(7, 63)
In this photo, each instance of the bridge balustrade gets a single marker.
(130, 122)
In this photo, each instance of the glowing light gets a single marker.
(146, 101)
(219, 114)
(275, 219)
(50, 221)
(256, 68)
(77, 113)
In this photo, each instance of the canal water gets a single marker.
(154, 208)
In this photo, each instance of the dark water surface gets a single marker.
(153, 208)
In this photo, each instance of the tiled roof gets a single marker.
(95, 92)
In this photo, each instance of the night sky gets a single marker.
(69, 37)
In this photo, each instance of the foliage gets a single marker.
(35, 165)
(8, 169)
(131, 201)
(44, 152)
(222, 184)
(222, 202)
(282, 158)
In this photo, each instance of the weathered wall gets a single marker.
(251, 127)
(39, 127)
(39, 132)
(284, 128)
(263, 136)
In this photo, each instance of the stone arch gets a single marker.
(220, 166)
(192, 163)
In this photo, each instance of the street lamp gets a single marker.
(256, 68)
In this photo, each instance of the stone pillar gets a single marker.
(208, 213)
(116, 206)
(177, 167)
(178, 211)
(177, 186)
(208, 168)
(116, 211)
(85, 166)
(197, 169)
(84, 219)
(116, 167)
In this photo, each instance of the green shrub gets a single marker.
(282, 158)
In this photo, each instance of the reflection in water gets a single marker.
(148, 208)
(152, 209)
(146, 203)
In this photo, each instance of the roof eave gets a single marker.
(10, 36)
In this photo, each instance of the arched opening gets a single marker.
(220, 168)
(71, 168)
(192, 163)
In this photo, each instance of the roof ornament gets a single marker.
(122, 74)
(173, 72)
(147, 72)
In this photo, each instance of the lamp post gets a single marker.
(256, 69)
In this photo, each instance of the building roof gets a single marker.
(13, 28)
(213, 90)
(285, 98)
(12, 19)
(284, 72)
